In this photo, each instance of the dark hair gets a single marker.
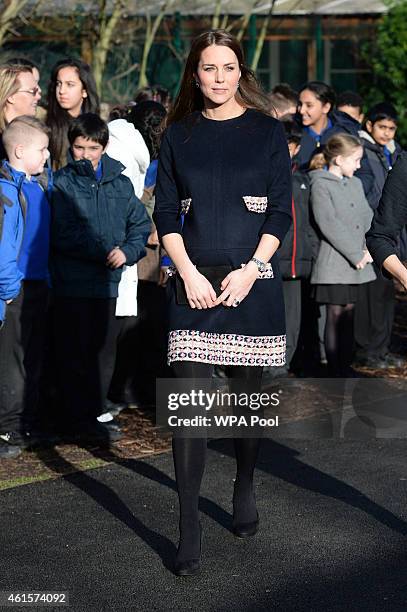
(148, 117)
(58, 119)
(189, 99)
(293, 131)
(383, 110)
(349, 98)
(156, 93)
(286, 92)
(22, 61)
(323, 92)
(89, 126)
(119, 111)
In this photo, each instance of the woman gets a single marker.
(390, 218)
(224, 168)
(19, 95)
(71, 91)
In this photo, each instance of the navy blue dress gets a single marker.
(230, 181)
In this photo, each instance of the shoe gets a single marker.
(34, 438)
(11, 445)
(246, 530)
(98, 433)
(115, 408)
(9, 451)
(190, 567)
(381, 362)
(390, 360)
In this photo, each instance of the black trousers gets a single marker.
(374, 316)
(292, 301)
(22, 341)
(141, 350)
(85, 332)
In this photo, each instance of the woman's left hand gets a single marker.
(237, 284)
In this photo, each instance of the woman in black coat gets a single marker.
(388, 222)
(223, 203)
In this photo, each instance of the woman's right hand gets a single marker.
(200, 292)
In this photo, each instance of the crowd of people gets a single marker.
(83, 274)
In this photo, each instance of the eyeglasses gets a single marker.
(32, 91)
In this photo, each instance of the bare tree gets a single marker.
(151, 31)
(10, 12)
(216, 15)
(262, 37)
(107, 26)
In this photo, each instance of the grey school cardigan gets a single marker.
(343, 216)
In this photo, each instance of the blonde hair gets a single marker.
(22, 130)
(9, 85)
(340, 144)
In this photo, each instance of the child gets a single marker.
(98, 225)
(23, 278)
(380, 146)
(343, 216)
(374, 314)
(299, 247)
(351, 103)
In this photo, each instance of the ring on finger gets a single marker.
(236, 302)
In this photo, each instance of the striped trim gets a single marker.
(226, 349)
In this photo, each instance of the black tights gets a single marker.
(339, 338)
(190, 455)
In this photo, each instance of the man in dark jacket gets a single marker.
(98, 225)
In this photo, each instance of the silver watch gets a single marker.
(261, 266)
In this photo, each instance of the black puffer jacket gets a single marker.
(390, 217)
(89, 219)
(299, 248)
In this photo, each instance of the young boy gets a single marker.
(351, 103)
(380, 146)
(299, 247)
(98, 225)
(23, 278)
(374, 313)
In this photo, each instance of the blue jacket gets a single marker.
(88, 219)
(11, 235)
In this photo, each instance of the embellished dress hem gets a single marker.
(226, 349)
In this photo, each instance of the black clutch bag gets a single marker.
(214, 274)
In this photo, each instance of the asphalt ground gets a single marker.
(332, 534)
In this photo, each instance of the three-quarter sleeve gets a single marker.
(166, 212)
(279, 194)
(391, 214)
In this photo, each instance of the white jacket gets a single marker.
(127, 145)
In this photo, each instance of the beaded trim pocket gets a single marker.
(184, 205)
(257, 204)
(268, 272)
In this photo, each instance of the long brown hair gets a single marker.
(189, 99)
